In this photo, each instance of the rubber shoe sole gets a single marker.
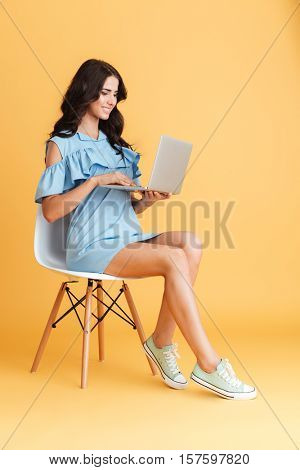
(171, 383)
(224, 393)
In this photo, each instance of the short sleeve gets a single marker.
(53, 181)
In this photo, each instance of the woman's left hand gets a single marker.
(150, 197)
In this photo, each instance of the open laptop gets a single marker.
(168, 170)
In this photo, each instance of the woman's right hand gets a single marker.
(113, 178)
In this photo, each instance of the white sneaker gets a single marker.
(223, 382)
(165, 359)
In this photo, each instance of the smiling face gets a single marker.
(103, 106)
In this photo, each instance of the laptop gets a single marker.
(168, 170)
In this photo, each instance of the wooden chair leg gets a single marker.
(86, 333)
(48, 328)
(100, 311)
(138, 324)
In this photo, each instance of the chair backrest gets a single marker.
(50, 240)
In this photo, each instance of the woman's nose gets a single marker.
(111, 100)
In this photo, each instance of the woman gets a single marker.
(85, 152)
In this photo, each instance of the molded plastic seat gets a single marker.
(50, 248)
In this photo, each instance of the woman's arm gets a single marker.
(57, 206)
(136, 203)
(138, 206)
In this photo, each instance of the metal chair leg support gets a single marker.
(86, 334)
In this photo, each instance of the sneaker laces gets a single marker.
(170, 356)
(229, 375)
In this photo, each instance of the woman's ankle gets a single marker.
(209, 367)
(160, 342)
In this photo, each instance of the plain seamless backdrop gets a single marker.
(224, 75)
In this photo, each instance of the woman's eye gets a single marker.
(115, 96)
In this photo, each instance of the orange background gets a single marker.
(225, 76)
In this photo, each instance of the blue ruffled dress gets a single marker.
(104, 222)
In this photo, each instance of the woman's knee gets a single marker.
(175, 259)
(193, 247)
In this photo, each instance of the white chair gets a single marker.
(50, 252)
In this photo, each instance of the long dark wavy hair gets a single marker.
(84, 89)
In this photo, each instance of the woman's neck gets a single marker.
(89, 126)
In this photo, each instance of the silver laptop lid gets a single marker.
(170, 164)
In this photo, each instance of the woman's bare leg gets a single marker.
(191, 245)
(146, 259)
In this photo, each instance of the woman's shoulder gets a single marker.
(66, 144)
